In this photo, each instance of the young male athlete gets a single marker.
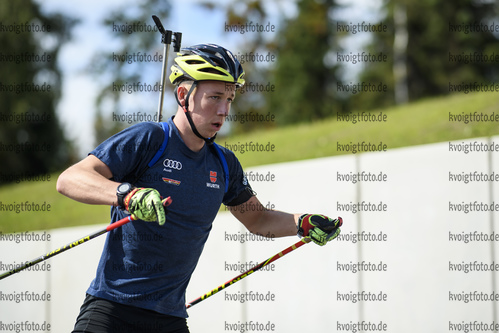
(146, 264)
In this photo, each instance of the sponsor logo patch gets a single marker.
(172, 164)
(171, 181)
(213, 180)
(213, 176)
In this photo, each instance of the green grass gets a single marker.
(63, 212)
(422, 122)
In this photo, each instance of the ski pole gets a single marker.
(166, 38)
(71, 245)
(250, 271)
(67, 246)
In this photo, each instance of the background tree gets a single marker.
(30, 44)
(249, 45)
(112, 68)
(435, 39)
(303, 80)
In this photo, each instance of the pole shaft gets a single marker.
(249, 271)
(67, 247)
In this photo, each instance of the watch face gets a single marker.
(124, 187)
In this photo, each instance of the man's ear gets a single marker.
(181, 94)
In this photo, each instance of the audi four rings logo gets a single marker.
(172, 164)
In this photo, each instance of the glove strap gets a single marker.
(128, 197)
(303, 225)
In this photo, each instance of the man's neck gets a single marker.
(184, 129)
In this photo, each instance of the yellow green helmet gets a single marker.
(207, 62)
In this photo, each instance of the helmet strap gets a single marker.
(209, 141)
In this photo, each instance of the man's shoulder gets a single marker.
(229, 154)
(146, 126)
(142, 132)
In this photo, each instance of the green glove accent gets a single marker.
(320, 228)
(146, 204)
(321, 238)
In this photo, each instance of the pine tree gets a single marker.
(303, 80)
(118, 68)
(439, 51)
(31, 138)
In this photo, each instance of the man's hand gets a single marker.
(146, 204)
(320, 228)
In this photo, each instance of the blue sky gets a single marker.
(198, 25)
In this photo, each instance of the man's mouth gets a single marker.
(216, 125)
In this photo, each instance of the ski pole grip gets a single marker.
(167, 202)
(331, 228)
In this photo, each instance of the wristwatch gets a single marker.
(122, 191)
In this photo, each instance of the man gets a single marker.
(145, 267)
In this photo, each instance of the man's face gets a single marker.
(210, 104)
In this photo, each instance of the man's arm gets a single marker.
(258, 220)
(261, 221)
(88, 181)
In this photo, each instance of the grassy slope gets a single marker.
(426, 121)
(418, 123)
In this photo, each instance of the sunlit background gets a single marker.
(429, 68)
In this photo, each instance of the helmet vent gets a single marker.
(218, 62)
(212, 70)
(195, 62)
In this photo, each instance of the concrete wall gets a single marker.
(423, 253)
